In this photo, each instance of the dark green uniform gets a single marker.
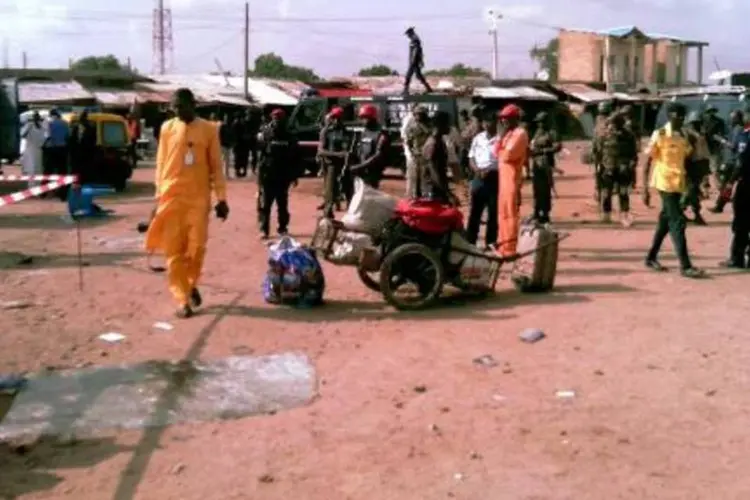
(338, 181)
(543, 147)
(416, 137)
(618, 155)
(600, 128)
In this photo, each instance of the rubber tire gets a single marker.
(368, 281)
(386, 269)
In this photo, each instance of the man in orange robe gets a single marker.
(188, 169)
(511, 152)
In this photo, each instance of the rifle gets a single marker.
(345, 166)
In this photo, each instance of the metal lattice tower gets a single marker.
(163, 42)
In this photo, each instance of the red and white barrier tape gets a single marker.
(20, 178)
(10, 199)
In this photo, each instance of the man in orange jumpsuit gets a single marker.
(511, 152)
(188, 168)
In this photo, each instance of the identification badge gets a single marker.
(189, 156)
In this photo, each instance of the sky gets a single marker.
(338, 37)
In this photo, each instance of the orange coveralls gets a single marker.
(179, 228)
(511, 151)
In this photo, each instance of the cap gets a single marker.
(409, 30)
(336, 112)
(278, 113)
(510, 111)
(368, 112)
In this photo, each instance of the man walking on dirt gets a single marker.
(600, 127)
(668, 151)
(416, 61)
(617, 156)
(276, 172)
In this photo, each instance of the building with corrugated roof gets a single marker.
(627, 58)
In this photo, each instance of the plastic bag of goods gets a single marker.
(294, 275)
(369, 209)
(477, 272)
(348, 247)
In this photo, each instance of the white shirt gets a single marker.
(404, 127)
(482, 151)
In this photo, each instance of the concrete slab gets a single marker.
(156, 394)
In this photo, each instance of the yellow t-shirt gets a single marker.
(668, 150)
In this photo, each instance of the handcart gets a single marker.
(424, 251)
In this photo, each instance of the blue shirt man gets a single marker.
(58, 131)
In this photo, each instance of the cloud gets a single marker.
(34, 18)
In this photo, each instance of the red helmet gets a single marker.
(510, 111)
(278, 113)
(368, 112)
(336, 112)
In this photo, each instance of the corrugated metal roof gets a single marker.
(124, 98)
(260, 91)
(583, 92)
(52, 92)
(517, 93)
(625, 31)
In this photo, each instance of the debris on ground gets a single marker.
(531, 335)
(565, 394)
(15, 304)
(420, 389)
(112, 337)
(486, 361)
(164, 326)
(177, 469)
(266, 479)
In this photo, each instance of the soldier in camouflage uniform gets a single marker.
(697, 166)
(544, 145)
(632, 127)
(416, 138)
(600, 128)
(618, 156)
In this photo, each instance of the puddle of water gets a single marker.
(132, 396)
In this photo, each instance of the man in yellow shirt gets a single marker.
(669, 149)
(188, 168)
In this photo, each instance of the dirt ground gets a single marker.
(656, 363)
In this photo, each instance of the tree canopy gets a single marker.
(378, 70)
(547, 57)
(98, 63)
(271, 65)
(458, 70)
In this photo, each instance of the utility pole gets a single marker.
(24, 60)
(162, 40)
(492, 15)
(246, 65)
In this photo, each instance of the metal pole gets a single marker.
(495, 56)
(247, 50)
(160, 41)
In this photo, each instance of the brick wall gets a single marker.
(579, 56)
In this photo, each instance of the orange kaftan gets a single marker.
(511, 151)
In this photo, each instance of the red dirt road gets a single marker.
(657, 362)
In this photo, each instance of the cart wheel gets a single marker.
(368, 280)
(415, 265)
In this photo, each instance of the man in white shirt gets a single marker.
(405, 124)
(485, 183)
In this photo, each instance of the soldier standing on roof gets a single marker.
(600, 128)
(618, 156)
(416, 61)
(697, 166)
(416, 138)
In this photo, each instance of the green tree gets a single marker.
(458, 70)
(378, 70)
(271, 65)
(547, 57)
(98, 63)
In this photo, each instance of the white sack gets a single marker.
(369, 209)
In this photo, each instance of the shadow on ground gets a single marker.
(54, 261)
(52, 221)
(26, 468)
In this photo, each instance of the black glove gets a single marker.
(142, 226)
(222, 210)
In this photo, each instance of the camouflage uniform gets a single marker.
(617, 156)
(543, 147)
(416, 138)
(600, 129)
(698, 166)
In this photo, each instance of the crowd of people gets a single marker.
(489, 158)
